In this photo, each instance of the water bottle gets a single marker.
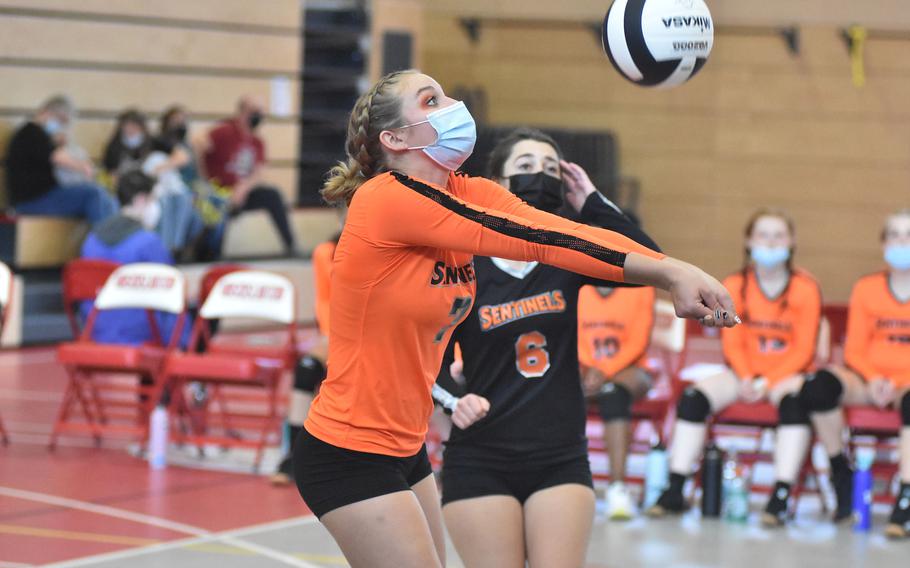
(157, 450)
(736, 492)
(862, 491)
(657, 475)
(712, 482)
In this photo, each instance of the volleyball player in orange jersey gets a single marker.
(401, 280)
(310, 369)
(614, 330)
(877, 351)
(769, 357)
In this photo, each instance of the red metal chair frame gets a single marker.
(83, 359)
(83, 278)
(249, 367)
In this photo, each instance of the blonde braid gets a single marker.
(376, 110)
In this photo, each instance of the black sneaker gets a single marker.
(284, 475)
(671, 502)
(842, 480)
(778, 508)
(899, 522)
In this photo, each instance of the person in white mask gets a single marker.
(770, 357)
(402, 280)
(877, 350)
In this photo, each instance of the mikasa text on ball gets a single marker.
(658, 43)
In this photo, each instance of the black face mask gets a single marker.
(178, 132)
(255, 119)
(539, 190)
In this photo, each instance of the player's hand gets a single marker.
(753, 390)
(698, 295)
(592, 381)
(578, 184)
(470, 409)
(456, 369)
(882, 392)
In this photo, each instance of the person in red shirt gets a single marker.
(233, 156)
(402, 280)
(769, 357)
(877, 350)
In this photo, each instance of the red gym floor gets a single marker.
(81, 500)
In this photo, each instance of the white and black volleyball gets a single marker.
(658, 43)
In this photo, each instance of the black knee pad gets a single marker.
(693, 406)
(791, 412)
(615, 402)
(308, 373)
(905, 409)
(821, 392)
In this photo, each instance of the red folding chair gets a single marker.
(752, 420)
(83, 278)
(6, 297)
(239, 294)
(668, 341)
(90, 365)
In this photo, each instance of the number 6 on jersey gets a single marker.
(531, 357)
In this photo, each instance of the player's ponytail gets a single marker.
(376, 110)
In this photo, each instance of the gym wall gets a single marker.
(757, 127)
(109, 55)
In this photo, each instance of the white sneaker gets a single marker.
(619, 502)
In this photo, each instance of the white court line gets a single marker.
(201, 534)
(14, 565)
(32, 395)
(229, 537)
(102, 510)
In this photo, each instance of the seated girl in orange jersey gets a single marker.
(878, 349)
(614, 328)
(402, 279)
(768, 357)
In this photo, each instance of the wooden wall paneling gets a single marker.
(27, 87)
(86, 43)
(276, 13)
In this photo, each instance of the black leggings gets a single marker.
(267, 198)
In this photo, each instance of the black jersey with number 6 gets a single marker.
(519, 345)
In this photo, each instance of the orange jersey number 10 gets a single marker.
(531, 356)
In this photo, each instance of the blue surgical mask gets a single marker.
(53, 126)
(134, 141)
(769, 257)
(456, 134)
(898, 257)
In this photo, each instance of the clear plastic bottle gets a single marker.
(657, 474)
(157, 446)
(736, 491)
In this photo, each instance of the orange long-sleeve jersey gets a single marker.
(614, 330)
(878, 331)
(779, 335)
(403, 279)
(322, 275)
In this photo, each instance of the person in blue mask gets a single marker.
(31, 159)
(877, 350)
(402, 280)
(770, 357)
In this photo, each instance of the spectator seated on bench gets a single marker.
(30, 170)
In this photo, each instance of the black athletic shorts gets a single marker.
(469, 479)
(329, 477)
